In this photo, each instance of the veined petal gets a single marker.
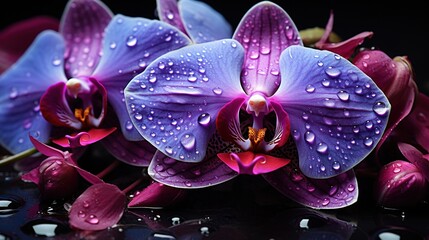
(228, 123)
(46, 149)
(168, 11)
(337, 113)
(99, 207)
(136, 153)
(55, 108)
(130, 44)
(202, 22)
(171, 172)
(175, 101)
(336, 192)
(282, 131)
(82, 25)
(416, 157)
(157, 195)
(21, 87)
(265, 31)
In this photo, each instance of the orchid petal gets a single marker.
(395, 79)
(337, 113)
(415, 127)
(136, 153)
(99, 207)
(130, 44)
(282, 130)
(265, 31)
(168, 11)
(17, 37)
(84, 138)
(31, 176)
(157, 195)
(88, 176)
(396, 180)
(211, 171)
(416, 157)
(228, 123)
(175, 101)
(251, 163)
(82, 24)
(46, 149)
(202, 22)
(55, 108)
(336, 192)
(21, 87)
(345, 48)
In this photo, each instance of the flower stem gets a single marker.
(18, 156)
(108, 169)
(132, 185)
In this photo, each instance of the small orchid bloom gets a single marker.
(57, 176)
(400, 184)
(344, 48)
(157, 195)
(420, 160)
(196, 19)
(395, 78)
(16, 38)
(76, 92)
(325, 101)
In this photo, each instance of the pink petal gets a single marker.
(400, 184)
(416, 157)
(99, 207)
(84, 138)
(157, 195)
(45, 149)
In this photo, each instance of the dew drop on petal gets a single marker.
(380, 108)
(310, 137)
(138, 116)
(310, 88)
(13, 93)
(368, 141)
(325, 201)
(204, 119)
(56, 62)
(217, 91)
(350, 187)
(343, 95)
(192, 78)
(131, 41)
(322, 147)
(92, 219)
(336, 165)
(333, 72)
(188, 141)
(128, 125)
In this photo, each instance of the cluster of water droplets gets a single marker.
(174, 128)
(333, 128)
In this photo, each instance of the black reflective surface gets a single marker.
(245, 208)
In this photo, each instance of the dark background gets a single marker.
(399, 28)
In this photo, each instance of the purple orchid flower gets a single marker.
(335, 112)
(317, 90)
(196, 19)
(101, 55)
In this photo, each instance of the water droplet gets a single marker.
(350, 187)
(368, 141)
(128, 125)
(92, 219)
(322, 147)
(138, 116)
(13, 93)
(56, 62)
(310, 88)
(131, 41)
(112, 45)
(169, 150)
(192, 78)
(188, 141)
(325, 201)
(265, 50)
(380, 108)
(296, 135)
(336, 165)
(175, 220)
(369, 124)
(319, 63)
(217, 91)
(10, 204)
(396, 170)
(81, 214)
(254, 55)
(329, 102)
(310, 137)
(333, 72)
(44, 228)
(204, 119)
(326, 82)
(204, 231)
(343, 95)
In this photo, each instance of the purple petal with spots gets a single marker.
(202, 22)
(21, 87)
(168, 11)
(130, 44)
(209, 172)
(336, 192)
(265, 31)
(136, 153)
(337, 113)
(175, 101)
(82, 25)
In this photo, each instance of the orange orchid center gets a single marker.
(256, 136)
(83, 115)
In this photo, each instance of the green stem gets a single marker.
(18, 156)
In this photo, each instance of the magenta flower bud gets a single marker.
(400, 184)
(57, 179)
